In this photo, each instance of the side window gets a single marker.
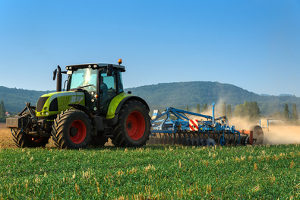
(108, 88)
(109, 82)
(108, 91)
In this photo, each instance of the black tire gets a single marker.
(189, 141)
(258, 135)
(21, 139)
(133, 127)
(210, 142)
(72, 129)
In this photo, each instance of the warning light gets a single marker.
(120, 61)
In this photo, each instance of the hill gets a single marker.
(181, 94)
(178, 94)
(15, 99)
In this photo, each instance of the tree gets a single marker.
(205, 107)
(295, 112)
(187, 107)
(286, 111)
(239, 110)
(198, 108)
(224, 109)
(228, 110)
(2, 110)
(248, 109)
(253, 110)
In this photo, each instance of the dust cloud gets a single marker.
(242, 123)
(281, 132)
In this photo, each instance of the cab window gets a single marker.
(109, 81)
(107, 91)
(85, 79)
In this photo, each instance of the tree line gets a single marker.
(288, 114)
(2, 111)
(249, 110)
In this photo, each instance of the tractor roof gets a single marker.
(95, 66)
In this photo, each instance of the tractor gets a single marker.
(91, 108)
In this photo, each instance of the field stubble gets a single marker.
(152, 172)
(5, 137)
(6, 140)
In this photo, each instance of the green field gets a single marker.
(153, 172)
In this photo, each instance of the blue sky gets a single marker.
(254, 44)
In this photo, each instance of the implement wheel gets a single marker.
(210, 142)
(71, 129)
(21, 139)
(258, 135)
(133, 127)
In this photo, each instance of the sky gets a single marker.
(253, 44)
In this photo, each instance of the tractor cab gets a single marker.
(100, 83)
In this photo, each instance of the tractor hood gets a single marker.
(53, 103)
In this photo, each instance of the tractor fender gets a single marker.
(114, 120)
(128, 98)
(82, 108)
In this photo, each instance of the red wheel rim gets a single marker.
(135, 125)
(77, 131)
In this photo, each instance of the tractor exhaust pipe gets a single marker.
(57, 75)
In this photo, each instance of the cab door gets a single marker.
(108, 90)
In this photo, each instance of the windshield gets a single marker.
(85, 79)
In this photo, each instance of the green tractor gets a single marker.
(93, 108)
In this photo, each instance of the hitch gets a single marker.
(22, 119)
(31, 111)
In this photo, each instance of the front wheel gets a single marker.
(21, 139)
(133, 127)
(71, 129)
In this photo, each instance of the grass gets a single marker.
(153, 172)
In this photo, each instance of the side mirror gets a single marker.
(54, 74)
(109, 71)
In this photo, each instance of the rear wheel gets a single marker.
(71, 129)
(133, 127)
(21, 139)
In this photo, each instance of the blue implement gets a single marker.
(177, 126)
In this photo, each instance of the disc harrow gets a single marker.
(180, 127)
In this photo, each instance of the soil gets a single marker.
(6, 140)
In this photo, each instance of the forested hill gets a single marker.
(15, 99)
(177, 94)
(203, 92)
